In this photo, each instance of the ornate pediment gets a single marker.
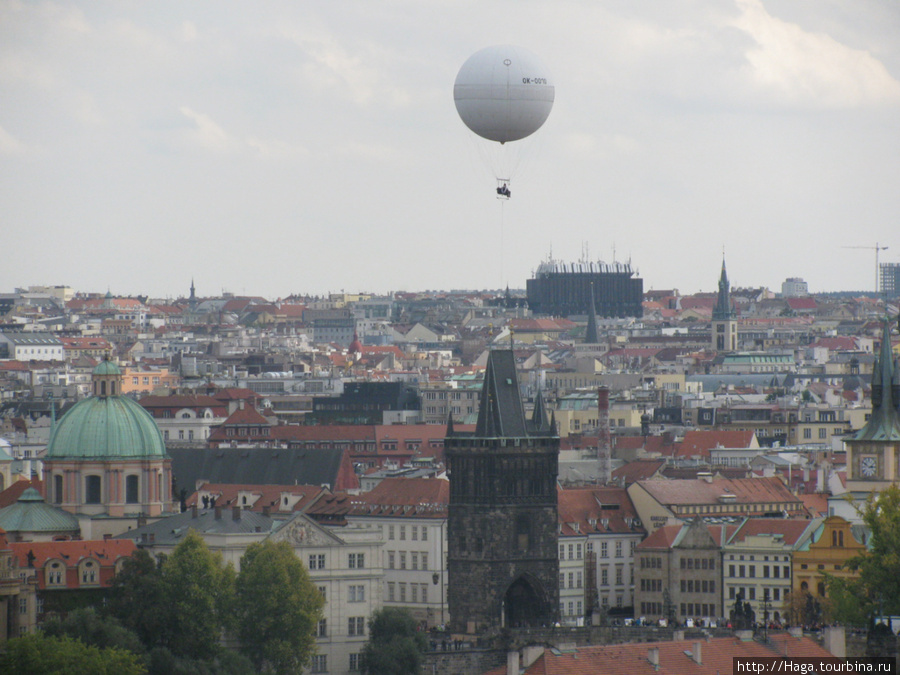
(301, 531)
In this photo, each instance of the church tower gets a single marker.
(724, 322)
(873, 452)
(502, 527)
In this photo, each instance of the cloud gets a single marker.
(814, 69)
(10, 145)
(208, 134)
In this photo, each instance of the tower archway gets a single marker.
(524, 604)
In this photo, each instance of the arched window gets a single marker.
(58, 489)
(103, 387)
(93, 493)
(841, 538)
(132, 485)
(804, 587)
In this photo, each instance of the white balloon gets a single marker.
(503, 93)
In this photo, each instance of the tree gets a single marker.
(199, 588)
(37, 654)
(277, 608)
(93, 628)
(138, 598)
(877, 584)
(395, 647)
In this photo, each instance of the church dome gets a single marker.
(106, 425)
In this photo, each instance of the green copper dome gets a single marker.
(107, 367)
(106, 427)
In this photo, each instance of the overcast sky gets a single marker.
(277, 147)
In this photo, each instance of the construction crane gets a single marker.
(877, 250)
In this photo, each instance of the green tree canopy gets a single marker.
(876, 589)
(93, 628)
(199, 588)
(277, 608)
(395, 646)
(138, 598)
(39, 654)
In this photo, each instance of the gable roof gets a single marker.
(716, 656)
(260, 466)
(105, 551)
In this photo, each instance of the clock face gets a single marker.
(868, 465)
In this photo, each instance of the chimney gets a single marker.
(604, 443)
(835, 641)
(677, 636)
(235, 512)
(512, 662)
(695, 653)
(218, 513)
(267, 510)
(653, 657)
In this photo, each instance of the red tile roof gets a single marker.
(716, 656)
(700, 491)
(790, 528)
(265, 495)
(699, 443)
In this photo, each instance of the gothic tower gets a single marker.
(724, 322)
(873, 452)
(502, 525)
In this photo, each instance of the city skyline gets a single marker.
(315, 148)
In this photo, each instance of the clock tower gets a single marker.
(724, 321)
(873, 452)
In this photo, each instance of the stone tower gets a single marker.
(724, 322)
(502, 532)
(873, 452)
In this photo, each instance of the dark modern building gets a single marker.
(564, 289)
(364, 403)
(502, 529)
(890, 279)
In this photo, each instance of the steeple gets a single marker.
(723, 310)
(539, 421)
(500, 414)
(192, 301)
(590, 336)
(884, 424)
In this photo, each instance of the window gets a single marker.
(131, 489)
(604, 577)
(414, 588)
(414, 560)
(618, 549)
(322, 630)
(390, 591)
(319, 663)
(414, 531)
(390, 531)
(424, 533)
(58, 489)
(355, 661)
(357, 561)
(317, 561)
(92, 490)
(390, 560)
(357, 594)
(424, 561)
(356, 625)
(322, 590)
(423, 592)
(604, 552)
(402, 532)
